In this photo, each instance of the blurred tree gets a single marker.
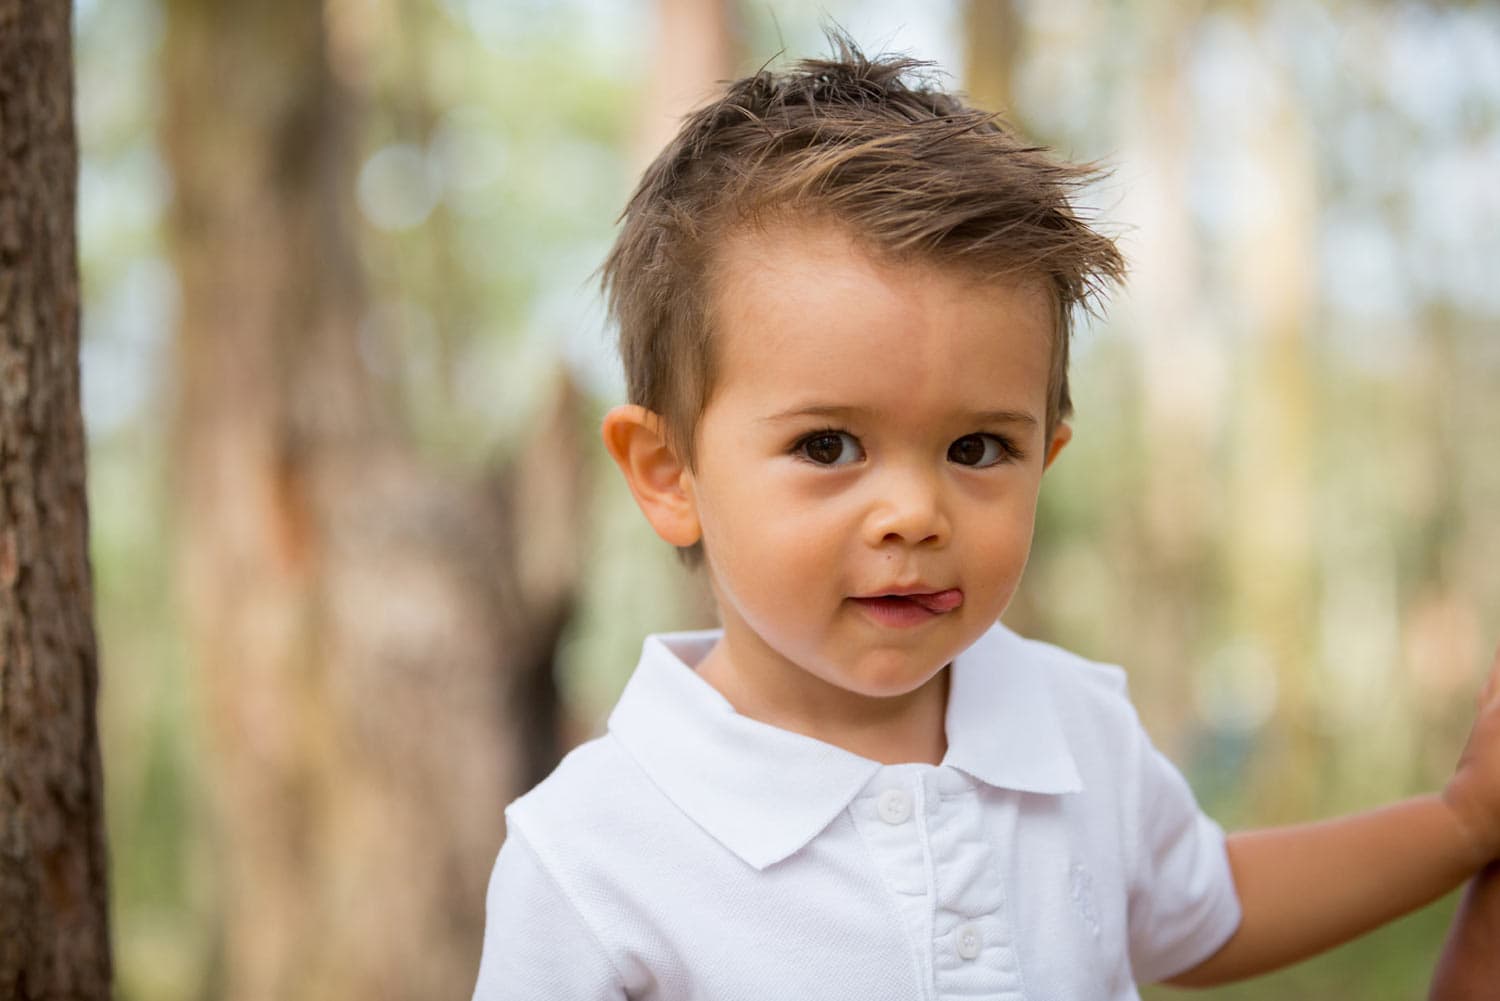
(375, 638)
(1168, 534)
(54, 932)
(697, 45)
(992, 45)
(1271, 552)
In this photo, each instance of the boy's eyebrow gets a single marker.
(845, 413)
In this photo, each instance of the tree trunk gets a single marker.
(374, 639)
(1171, 536)
(992, 48)
(54, 932)
(1270, 556)
(696, 47)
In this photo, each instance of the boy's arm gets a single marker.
(1469, 968)
(536, 945)
(1307, 888)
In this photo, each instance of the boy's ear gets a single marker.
(660, 482)
(1061, 435)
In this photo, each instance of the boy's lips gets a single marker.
(906, 608)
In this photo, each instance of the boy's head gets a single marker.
(866, 146)
(844, 305)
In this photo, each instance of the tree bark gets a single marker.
(374, 638)
(54, 932)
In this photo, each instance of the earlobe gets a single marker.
(658, 479)
(1061, 435)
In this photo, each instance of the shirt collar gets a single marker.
(764, 793)
(1003, 726)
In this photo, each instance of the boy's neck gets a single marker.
(891, 730)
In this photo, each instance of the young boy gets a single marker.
(844, 302)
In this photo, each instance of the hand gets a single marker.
(1473, 793)
(1469, 967)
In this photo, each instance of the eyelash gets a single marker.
(1013, 452)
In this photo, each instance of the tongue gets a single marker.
(942, 601)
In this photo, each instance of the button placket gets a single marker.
(889, 815)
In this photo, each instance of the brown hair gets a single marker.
(865, 143)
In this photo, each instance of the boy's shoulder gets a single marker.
(601, 781)
(591, 778)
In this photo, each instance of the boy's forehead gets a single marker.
(803, 270)
(808, 310)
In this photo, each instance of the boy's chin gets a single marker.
(891, 683)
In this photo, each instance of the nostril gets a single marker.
(912, 539)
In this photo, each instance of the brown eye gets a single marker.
(977, 450)
(830, 448)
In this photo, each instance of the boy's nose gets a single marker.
(907, 509)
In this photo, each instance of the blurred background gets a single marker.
(363, 572)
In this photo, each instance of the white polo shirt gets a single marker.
(694, 853)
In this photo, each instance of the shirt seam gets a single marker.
(513, 831)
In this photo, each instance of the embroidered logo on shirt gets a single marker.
(1083, 897)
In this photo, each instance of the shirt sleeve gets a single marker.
(537, 946)
(1183, 905)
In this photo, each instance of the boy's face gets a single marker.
(875, 429)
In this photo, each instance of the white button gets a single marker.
(968, 940)
(894, 806)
